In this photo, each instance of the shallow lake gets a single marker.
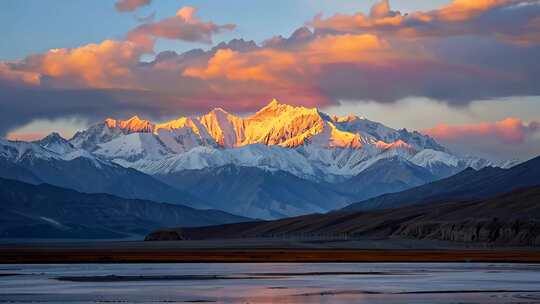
(271, 283)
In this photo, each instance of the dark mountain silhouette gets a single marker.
(46, 211)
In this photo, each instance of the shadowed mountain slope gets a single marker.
(45, 211)
(466, 185)
(509, 219)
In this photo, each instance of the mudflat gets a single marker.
(248, 251)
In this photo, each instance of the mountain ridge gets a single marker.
(307, 147)
(511, 218)
(466, 185)
(330, 146)
(68, 167)
(47, 211)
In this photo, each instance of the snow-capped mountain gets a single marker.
(55, 161)
(279, 137)
(281, 161)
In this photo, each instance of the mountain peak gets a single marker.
(275, 109)
(110, 123)
(219, 111)
(54, 136)
(133, 125)
(347, 118)
(275, 124)
(56, 143)
(135, 119)
(273, 103)
(272, 106)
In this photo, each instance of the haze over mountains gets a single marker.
(281, 161)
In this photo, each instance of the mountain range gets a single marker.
(46, 211)
(507, 219)
(55, 161)
(491, 205)
(466, 185)
(280, 161)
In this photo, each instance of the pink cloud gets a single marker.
(509, 130)
(108, 64)
(183, 26)
(25, 136)
(460, 17)
(130, 5)
(11, 74)
(382, 56)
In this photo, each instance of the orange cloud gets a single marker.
(509, 130)
(380, 9)
(344, 48)
(273, 65)
(130, 5)
(289, 74)
(183, 26)
(10, 73)
(460, 17)
(232, 65)
(382, 56)
(460, 10)
(104, 65)
(355, 23)
(25, 136)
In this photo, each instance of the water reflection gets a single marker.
(272, 283)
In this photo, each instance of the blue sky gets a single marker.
(35, 26)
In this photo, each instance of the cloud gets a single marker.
(183, 26)
(23, 105)
(25, 136)
(382, 10)
(8, 73)
(268, 64)
(507, 131)
(509, 20)
(130, 5)
(146, 19)
(465, 51)
(460, 10)
(108, 64)
(507, 139)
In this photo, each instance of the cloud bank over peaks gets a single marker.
(508, 131)
(464, 51)
(509, 138)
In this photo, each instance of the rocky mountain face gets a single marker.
(509, 219)
(45, 211)
(323, 161)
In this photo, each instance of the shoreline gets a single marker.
(42, 256)
(261, 251)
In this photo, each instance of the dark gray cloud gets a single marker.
(23, 104)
